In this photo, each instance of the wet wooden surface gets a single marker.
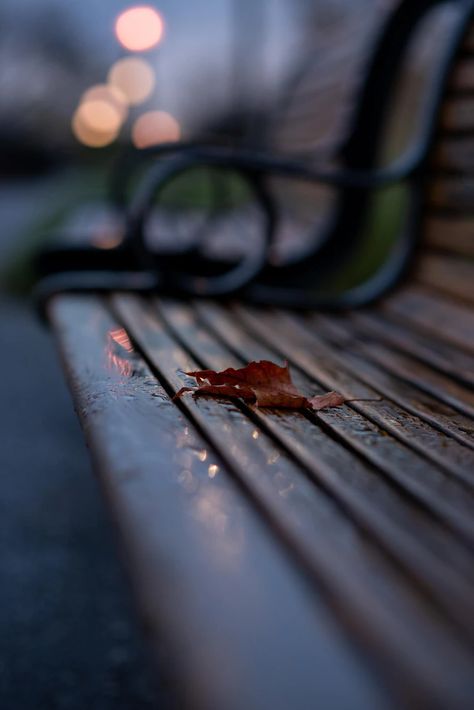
(290, 559)
(294, 559)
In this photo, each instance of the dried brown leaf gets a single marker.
(263, 382)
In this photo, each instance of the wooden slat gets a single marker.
(448, 321)
(452, 195)
(225, 425)
(448, 234)
(403, 465)
(462, 77)
(458, 116)
(454, 155)
(344, 423)
(449, 274)
(437, 446)
(300, 437)
(375, 338)
(427, 349)
(212, 582)
(293, 559)
(468, 42)
(444, 404)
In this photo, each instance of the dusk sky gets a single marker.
(197, 46)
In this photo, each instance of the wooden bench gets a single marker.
(290, 559)
(294, 559)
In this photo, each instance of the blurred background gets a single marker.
(79, 82)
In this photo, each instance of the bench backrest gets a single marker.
(447, 262)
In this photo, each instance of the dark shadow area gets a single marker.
(68, 639)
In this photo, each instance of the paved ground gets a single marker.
(68, 638)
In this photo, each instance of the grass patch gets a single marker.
(384, 223)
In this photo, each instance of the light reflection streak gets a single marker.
(187, 481)
(283, 483)
(222, 520)
(210, 512)
(213, 470)
(121, 337)
(118, 342)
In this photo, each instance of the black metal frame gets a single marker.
(293, 285)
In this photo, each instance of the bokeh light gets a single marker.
(111, 95)
(88, 136)
(154, 127)
(109, 233)
(133, 77)
(139, 28)
(100, 116)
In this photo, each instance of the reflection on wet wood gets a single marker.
(327, 366)
(359, 518)
(212, 581)
(300, 435)
(301, 559)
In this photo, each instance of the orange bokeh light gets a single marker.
(107, 239)
(154, 127)
(111, 95)
(139, 28)
(99, 115)
(133, 77)
(91, 137)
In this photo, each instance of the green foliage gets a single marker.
(383, 227)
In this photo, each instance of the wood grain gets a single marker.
(407, 338)
(300, 438)
(429, 395)
(399, 461)
(211, 579)
(293, 515)
(451, 275)
(432, 314)
(298, 559)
